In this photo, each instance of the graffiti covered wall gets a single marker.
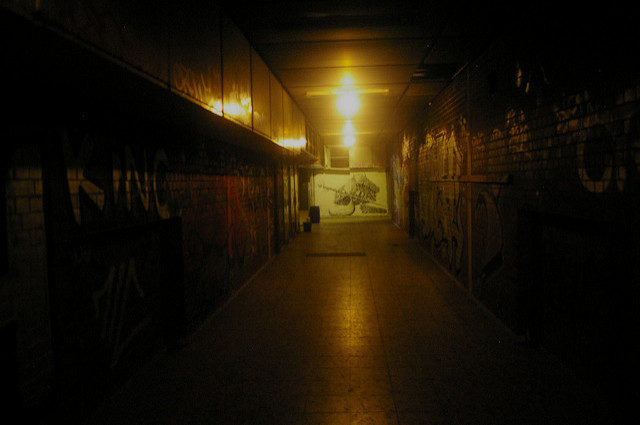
(138, 215)
(131, 210)
(527, 186)
(400, 169)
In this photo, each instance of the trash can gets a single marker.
(306, 226)
(314, 214)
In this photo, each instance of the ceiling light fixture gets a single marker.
(348, 128)
(348, 103)
(349, 141)
(314, 93)
(349, 134)
(347, 80)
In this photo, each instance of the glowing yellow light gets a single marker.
(236, 109)
(293, 143)
(216, 107)
(348, 103)
(349, 140)
(233, 109)
(347, 80)
(348, 128)
(348, 131)
(246, 105)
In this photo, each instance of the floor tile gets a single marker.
(386, 338)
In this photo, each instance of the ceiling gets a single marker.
(398, 54)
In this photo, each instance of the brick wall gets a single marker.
(23, 284)
(527, 181)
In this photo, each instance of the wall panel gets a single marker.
(133, 32)
(195, 54)
(288, 118)
(260, 76)
(236, 74)
(277, 114)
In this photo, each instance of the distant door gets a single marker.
(303, 190)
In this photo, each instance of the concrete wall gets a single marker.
(522, 179)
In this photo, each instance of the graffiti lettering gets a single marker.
(77, 182)
(439, 210)
(160, 160)
(110, 307)
(602, 158)
(487, 239)
(192, 84)
(125, 174)
(132, 171)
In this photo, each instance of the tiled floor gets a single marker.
(381, 337)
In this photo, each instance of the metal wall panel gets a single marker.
(260, 95)
(236, 74)
(299, 124)
(277, 133)
(195, 54)
(288, 119)
(195, 50)
(132, 32)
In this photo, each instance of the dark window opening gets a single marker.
(339, 157)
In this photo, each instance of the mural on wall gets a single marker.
(356, 194)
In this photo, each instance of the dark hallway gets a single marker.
(318, 212)
(353, 324)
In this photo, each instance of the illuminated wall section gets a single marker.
(300, 127)
(293, 122)
(236, 74)
(294, 125)
(287, 119)
(195, 56)
(260, 95)
(277, 133)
